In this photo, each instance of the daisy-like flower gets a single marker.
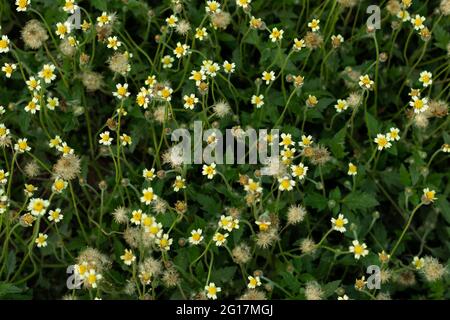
(92, 278)
(286, 184)
(263, 225)
(360, 283)
(312, 101)
(211, 289)
(344, 297)
(209, 170)
(212, 7)
(142, 99)
(179, 184)
(446, 148)
(360, 250)
(55, 142)
(52, 103)
(104, 19)
(125, 140)
(341, 105)
(256, 23)
(8, 69)
(228, 67)
(253, 186)
(190, 101)
(4, 132)
(417, 22)
(154, 230)
(365, 82)
(165, 93)
(105, 138)
(287, 154)
(276, 35)
(55, 215)
(201, 33)
(47, 73)
(383, 256)
(258, 101)
(149, 175)
(243, 3)
(33, 84)
(419, 104)
(196, 237)
(428, 196)
(220, 238)
(298, 45)
(3, 176)
(38, 206)
(29, 190)
(181, 50)
(59, 185)
(70, 6)
(65, 149)
(299, 171)
(339, 223)
(336, 41)
(268, 77)
(197, 76)
(63, 29)
(210, 68)
(41, 240)
(150, 81)
(167, 61)
(403, 15)
(122, 91)
(22, 145)
(172, 21)
(393, 134)
(32, 106)
(22, 5)
(382, 141)
(4, 44)
(148, 196)
(352, 169)
(306, 141)
(418, 263)
(314, 25)
(426, 78)
(164, 242)
(253, 282)
(136, 217)
(128, 257)
(226, 223)
(286, 140)
(113, 43)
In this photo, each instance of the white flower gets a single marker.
(105, 138)
(38, 206)
(314, 25)
(220, 238)
(148, 196)
(41, 240)
(382, 141)
(299, 171)
(47, 73)
(196, 236)
(268, 77)
(258, 101)
(253, 282)
(128, 257)
(426, 78)
(358, 249)
(211, 289)
(4, 44)
(209, 170)
(419, 104)
(286, 184)
(339, 223)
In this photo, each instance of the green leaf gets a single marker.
(360, 200)
(316, 200)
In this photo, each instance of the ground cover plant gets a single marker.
(97, 201)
